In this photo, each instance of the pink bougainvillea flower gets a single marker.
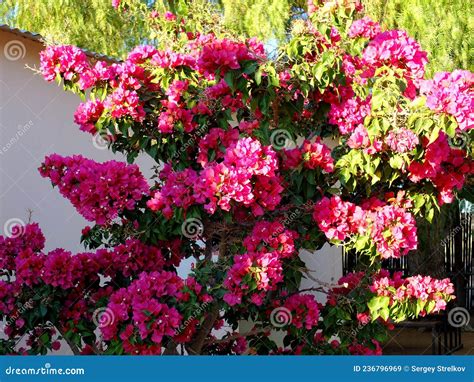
(99, 191)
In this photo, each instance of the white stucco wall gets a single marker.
(36, 119)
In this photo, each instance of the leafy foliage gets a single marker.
(443, 28)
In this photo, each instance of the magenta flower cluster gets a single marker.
(396, 49)
(259, 270)
(126, 80)
(392, 229)
(423, 288)
(226, 54)
(66, 61)
(87, 114)
(304, 310)
(99, 191)
(445, 167)
(27, 237)
(311, 155)
(401, 140)
(143, 308)
(349, 113)
(145, 312)
(453, 94)
(364, 27)
(338, 219)
(247, 175)
(22, 258)
(206, 113)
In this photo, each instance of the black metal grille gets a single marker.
(458, 248)
(458, 259)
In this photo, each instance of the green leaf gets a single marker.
(377, 305)
(396, 162)
(420, 304)
(273, 78)
(450, 128)
(434, 134)
(378, 302)
(328, 58)
(430, 214)
(377, 100)
(250, 67)
(229, 78)
(419, 201)
(311, 177)
(44, 338)
(361, 242)
(43, 310)
(318, 71)
(384, 313)
(258, 76)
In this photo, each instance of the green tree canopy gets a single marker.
(92, 24)
(444, 27)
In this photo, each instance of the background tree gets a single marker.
(444, 28)
(92, 24)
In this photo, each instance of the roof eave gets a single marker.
(36, 37)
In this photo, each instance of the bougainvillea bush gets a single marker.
(338, 139)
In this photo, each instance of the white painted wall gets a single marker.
(36, 119)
